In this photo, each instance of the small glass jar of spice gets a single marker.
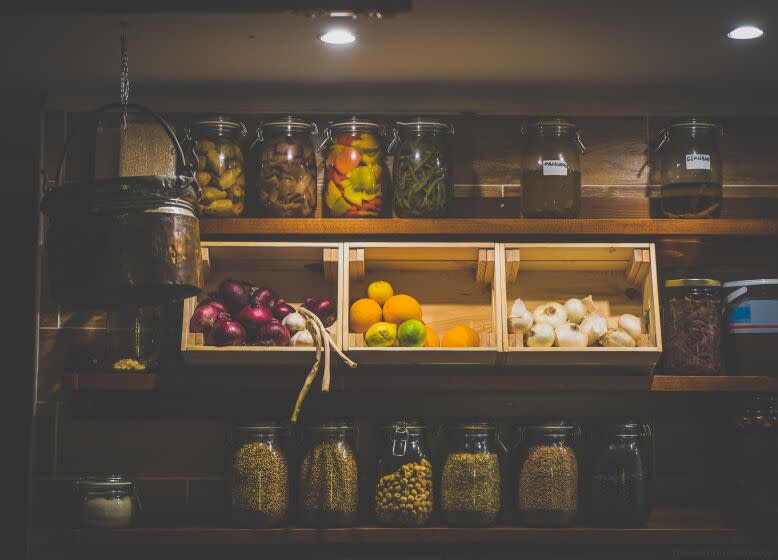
(691, 325)
(106, 502)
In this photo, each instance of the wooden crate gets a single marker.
(294, 270)
(456, 284)
(621, 277)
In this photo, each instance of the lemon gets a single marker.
(412, 333)
(380, 291)
(381, 334)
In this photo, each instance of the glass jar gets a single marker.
(690, 163)
(356, 183)
(287, 168)
(691, 325)
(422, 171)
(329, 477)
(404, 490)
(551, 169)
(752, 332)
(220, 165)
(106, 502)
(470, 480)
(547, 488)
(258, 475)
(134, 334)
(754, 498)
(622, 476)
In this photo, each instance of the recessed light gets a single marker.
(338, 37)
(745, 32)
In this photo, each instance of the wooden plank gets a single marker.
(110, 381)
(705, 383)
(512, 263)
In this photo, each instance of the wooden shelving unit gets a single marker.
(110, 381)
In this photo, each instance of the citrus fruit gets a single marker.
(461, 336)
(400, 308)
(381, 334)
(380, 291)
(363, 313)
(432, 339)
(412, 333)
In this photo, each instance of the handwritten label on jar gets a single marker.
(554, 167)
(698, 161)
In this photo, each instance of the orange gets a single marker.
(461, 336)
(400, 308)
(364, 313)
(432, 340)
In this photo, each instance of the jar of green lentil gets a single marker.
(470, 479)
(259, 475)
(329, 476)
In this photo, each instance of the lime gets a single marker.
(380, 291)
(381, 334)
(412, 333)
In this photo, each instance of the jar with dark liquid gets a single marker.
(551, 169)
(690, 163)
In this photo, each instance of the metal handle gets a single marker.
(400, 430)
(663, 137)
(395, 140)
(327, 138)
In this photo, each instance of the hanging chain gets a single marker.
(124, 80)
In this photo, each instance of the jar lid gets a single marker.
(694, 122)
(630, 429)
(337, 425)
(411, 425)
(104, 483)
(559, 122)
(426, 125)
(290, 123)
(754, 282)
(354, 124)
(692, 282)
(262, 426)
(560, 426)
(475, 426)
(219, 124)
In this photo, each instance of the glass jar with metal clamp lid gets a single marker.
(107, 502)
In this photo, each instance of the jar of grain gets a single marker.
(106, 502)
(470, 480)
(329, 476)
(259, 475)
(548, 474)
(403, 495)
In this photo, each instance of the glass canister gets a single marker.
(422, 171)
(356, 182)
(259, 475)
(106, 502)
(622, 476)
(470, 479)
(220, 165)
(690, 163)
(691, 325)
(548, 478)
(134, 334)
(287, 168)
(751, 317)
(551, 169)
(403, 495)
(329, 477)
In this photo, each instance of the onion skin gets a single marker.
(254, 315)
(213, 301)
(264, 296)
(281, 309)
(323, 308)
(234, 294)
(226, 333)
(204, 318)
(273, 334)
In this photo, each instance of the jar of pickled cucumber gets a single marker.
(356, 183)
(220, 165)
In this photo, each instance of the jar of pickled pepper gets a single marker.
(356, 183)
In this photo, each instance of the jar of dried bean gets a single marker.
(470, 480)
(547, 489)
(403, 495)
(259, 475)
(691, 325)
(329, 476)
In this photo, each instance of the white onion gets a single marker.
(576, 311)
(631, 325)
(518, 308)
(301, 338)
(551, 313)
(520, 319)
(594, 326)
(570, 335)
(617, 338)
(540, 336)
(294, 322)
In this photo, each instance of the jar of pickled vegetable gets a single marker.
(287, 168)
(551, 169)
(470, 480)
(690, 163)
(220, 165)
(404, 489)
(422, 172)
(356, 183)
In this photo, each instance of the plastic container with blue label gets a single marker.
(751, 311)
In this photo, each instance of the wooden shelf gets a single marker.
(707, 383)
(644, 227)
(110, 381)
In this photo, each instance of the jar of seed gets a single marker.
(548, 474)
(404, 489)
(329, 476)
(470, 481)
(259, 475)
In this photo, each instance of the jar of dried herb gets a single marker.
(691, 324)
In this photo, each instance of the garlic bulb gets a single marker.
(588, 304)
(301, 338)
(570, 335)
(594, 326)
(540, 336)
(617, 337)
(631, 325)
(550, 313)
(294, 322)
(576, 311)
(520, 319)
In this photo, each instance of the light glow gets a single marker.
(338, 37)
(745, 32)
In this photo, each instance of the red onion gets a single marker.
(234, 294)
(226, 332)
(281, 309)
(273, 334)
(213, 301)
(203, 318)
(254, 315)
(265, 296)
(323, 308)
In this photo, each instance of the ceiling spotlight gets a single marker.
(745, 32)
(338, 37)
